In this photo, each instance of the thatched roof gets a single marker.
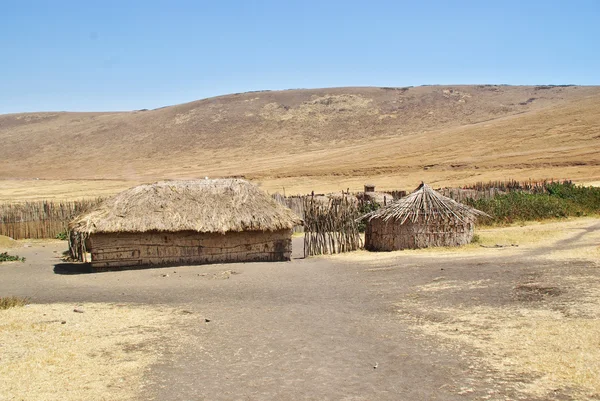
(209, 206)
(377, 197)
(425, 204)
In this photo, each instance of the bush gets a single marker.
(63, 235)
(5, 257)
(559, 200)
(364, 208)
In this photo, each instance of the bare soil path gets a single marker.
(321, 328)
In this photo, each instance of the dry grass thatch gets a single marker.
(208, 206)
(425, 205)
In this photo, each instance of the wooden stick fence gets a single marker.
(461, 195)
(330, 227)
(43, 219)
(47, 219)
(532, 186)
(295, 203)
(491, 189)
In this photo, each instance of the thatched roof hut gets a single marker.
(420, 220)
(193, 221)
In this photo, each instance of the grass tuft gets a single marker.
(12, 302)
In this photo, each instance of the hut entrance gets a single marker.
(330, 226)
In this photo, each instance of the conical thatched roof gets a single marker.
(209, 206)
(425, 204)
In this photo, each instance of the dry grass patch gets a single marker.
(556, 348)
(7, 242)
(38, 190)
(453, 285)
(590, 252)
(51, 352)
(12, 302)
(534, 233)
(558, 351)
(591, 183)
(588, 248)
(531, 233)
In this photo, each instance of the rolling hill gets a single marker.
(321, 139)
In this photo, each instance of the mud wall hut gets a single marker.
(422, 219)
(184, 222)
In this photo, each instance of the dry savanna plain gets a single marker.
(302, 140)
(512, 316)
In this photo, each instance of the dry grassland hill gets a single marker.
(321, 138)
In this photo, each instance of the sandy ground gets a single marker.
(492, 323)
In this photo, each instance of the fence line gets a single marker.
(330, 227)
(491, 189)
(43, 219)
(296, 204)
(533, 186)
(47, 219)
(461, 195)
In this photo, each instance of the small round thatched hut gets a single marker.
(420, 220)
(184, 222)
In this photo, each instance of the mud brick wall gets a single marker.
(188, 247)
(390, 236)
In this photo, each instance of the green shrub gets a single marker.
(365, 208)
(560, 200)
(5, 257)
(63, 235)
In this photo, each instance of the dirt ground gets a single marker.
(492, 323)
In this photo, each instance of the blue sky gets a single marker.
(124, 55)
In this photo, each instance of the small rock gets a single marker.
(165, 275)
(63, 322)
(77, 310)
(207, 320)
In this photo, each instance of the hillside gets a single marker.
(323, 139)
